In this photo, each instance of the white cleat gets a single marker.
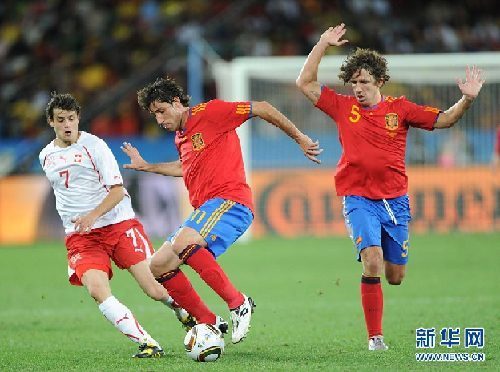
(377, 343)
(240, 318)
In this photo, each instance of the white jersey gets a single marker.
(81, 175)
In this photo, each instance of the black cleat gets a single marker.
(149, 351)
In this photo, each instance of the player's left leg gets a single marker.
(394, 273)
(132, 251)
(395, 240)
(97, 283)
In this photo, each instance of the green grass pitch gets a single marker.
(308, 314)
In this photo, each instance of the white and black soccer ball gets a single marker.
(204, 343)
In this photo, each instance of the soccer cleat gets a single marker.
(221, 324)
(149, 351)
(187, 320)
(377, 343)
(240, 317)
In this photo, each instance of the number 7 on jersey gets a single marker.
(65, 173)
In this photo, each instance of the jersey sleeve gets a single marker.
(228, 115)
(41, 158)
(423, 117)
(328, 101)
(107, 165)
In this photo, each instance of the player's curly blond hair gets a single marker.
(367, 59)
(162, 90)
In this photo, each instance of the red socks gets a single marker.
(203, 262)
(180, 289)
(372, 300)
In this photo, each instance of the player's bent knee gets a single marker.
(395, 281)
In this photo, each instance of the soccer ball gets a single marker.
(204, 343)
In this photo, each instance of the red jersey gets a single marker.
(210, 153)
(373, 141)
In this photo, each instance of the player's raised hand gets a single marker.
(136, 160)
(333, 35)
(311, 148)
(473, 82)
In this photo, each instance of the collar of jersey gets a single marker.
(374, 107)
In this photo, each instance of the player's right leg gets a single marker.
(365, 231)
(97, 284)
(372, 298)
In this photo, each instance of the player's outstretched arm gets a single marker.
(470, 89)
(173, 168)
(307, 81)
(269, 113)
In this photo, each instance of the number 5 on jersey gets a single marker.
(355, 115)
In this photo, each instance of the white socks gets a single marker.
(123, 319)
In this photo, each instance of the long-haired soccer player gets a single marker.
(211, 164)
(371, 170)
(99, 221)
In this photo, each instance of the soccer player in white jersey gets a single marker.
(99, 221)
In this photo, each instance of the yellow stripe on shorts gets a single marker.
(215, 217)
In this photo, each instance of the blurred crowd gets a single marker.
(87, 47)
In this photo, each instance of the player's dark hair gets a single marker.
(64, 101)
(162, 90)
(367, 59)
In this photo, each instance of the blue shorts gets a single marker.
(220, 222)
(382, 223)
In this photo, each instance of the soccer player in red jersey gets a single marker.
(211, 164)
(371, 174)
